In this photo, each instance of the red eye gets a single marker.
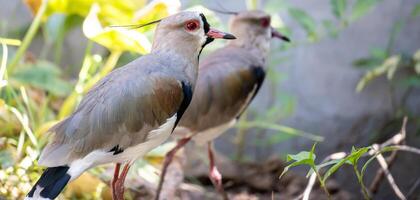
(265, 22)
(192, 25)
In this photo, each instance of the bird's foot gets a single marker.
(168, 159)
(118, 182)
(214, 174)
(216, 178)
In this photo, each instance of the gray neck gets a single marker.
(181, 61)
(258, 46)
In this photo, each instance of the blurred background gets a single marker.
(347, 79)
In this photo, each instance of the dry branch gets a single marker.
(395, 143)
(390, 178)
(397, 139)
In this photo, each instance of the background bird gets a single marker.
(130, 111)
(228, 80)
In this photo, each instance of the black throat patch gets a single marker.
(206, 27)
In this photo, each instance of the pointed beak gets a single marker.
(216, 34)
(276, 34)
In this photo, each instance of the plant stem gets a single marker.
(362, 185)
(318, 175)
(110, 64)
(33, 29)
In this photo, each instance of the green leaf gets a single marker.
(413, 80)
(331, 28)
(338, 7)
(416, 10)
(302, 158)
(377, 56)
(306, 21)
(351, 159)
(335, 167)
(356, 154)
(416, 58)
(362, 7)
(322, 165)
(278, 138)
(365, 165)
(42, 75)
(6, 159)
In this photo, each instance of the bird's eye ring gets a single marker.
(265, 22)
(192, 25)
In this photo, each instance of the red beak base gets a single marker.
(276, 34)
(216, 34)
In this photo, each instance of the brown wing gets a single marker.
(227, 82)
(128, 102)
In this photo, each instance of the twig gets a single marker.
(384, 165)
(397, 139)
(405, 148)
(393, 143)
(413, 188)
(309, 187)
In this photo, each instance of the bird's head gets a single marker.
(186, 32)
(254, 28)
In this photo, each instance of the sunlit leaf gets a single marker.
(338, 7)
(95, 26)
(156, 10)
(33, 5)
(388, 66)
(79, 7)
(118, 39)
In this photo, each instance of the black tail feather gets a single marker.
(51, 182)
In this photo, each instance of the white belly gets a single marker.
(210, 134)
(98, 157)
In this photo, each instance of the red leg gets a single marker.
(168, 159)
(214, 174)
(119, 185)
(114, 180)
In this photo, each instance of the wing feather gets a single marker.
(228, 80)
(130, 101)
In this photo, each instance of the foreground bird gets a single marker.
(227, 82)
(130, 111)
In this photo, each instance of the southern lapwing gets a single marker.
(130, 111)
(228, 80)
